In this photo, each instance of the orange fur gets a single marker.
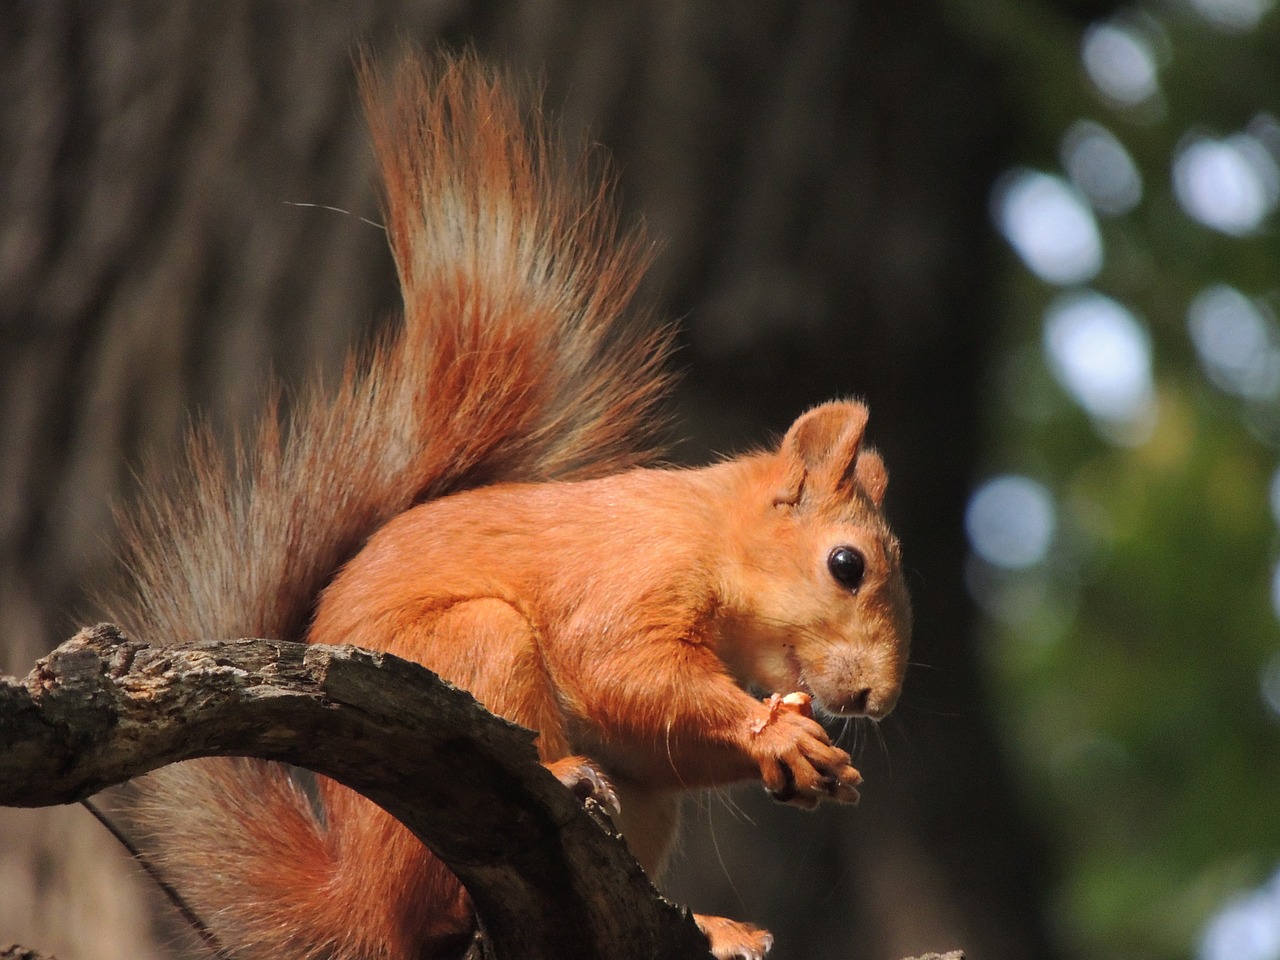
(485, 456)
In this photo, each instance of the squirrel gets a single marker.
(478, 494)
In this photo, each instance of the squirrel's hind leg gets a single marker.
(403, 903)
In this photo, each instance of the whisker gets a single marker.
(846, 727)
(884, 749)
(903, 732)
(724, 867)
(905, 703)
(725, 797)
(325, 206)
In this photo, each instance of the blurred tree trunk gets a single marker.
(817, 175)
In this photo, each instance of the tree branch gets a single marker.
(546, 879)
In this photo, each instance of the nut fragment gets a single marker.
(798, 702)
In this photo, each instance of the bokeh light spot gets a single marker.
(1275, 590)
(1121, 63)
(1275, 500)
(1229, 185)
(1247, 928)
(1100, 166)
(1049, 225)
(1236, 341)
(1234, 15)
(1010, 521)
(1269, 676)
(1101, 354)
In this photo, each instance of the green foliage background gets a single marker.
(1130, 662)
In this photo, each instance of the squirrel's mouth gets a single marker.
(860, 701)
(798, 679)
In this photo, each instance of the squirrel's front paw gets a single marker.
(797, 761)
(587, 781)
(734, 940)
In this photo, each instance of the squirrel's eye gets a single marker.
(848, 566)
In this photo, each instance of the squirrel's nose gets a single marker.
(853, 705)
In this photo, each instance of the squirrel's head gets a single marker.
(815, 598)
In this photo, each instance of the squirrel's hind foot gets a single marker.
(587, 781)
(733, 939)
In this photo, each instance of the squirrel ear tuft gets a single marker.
(872, 476)
(821, 449)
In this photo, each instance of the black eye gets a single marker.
(848, 566)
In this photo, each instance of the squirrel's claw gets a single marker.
(587, 781)
(798, 763)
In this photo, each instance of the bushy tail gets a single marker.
(520, 358)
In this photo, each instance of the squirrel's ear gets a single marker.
(872, 476)
(821, 449)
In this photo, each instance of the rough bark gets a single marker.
(547, 881)
(14, 952)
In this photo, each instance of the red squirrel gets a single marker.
(473, 496)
